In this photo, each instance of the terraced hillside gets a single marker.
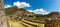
(25, 23)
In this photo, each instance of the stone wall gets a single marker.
(52, 23)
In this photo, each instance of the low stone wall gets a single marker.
(52, 23)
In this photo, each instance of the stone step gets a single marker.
(27, 25)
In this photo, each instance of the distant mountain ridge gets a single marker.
(13, 9)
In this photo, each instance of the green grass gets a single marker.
(37, 19)
(7, 22)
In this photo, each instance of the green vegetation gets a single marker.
(37, 19)
(7, 22)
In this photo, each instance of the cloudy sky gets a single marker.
(36, 6)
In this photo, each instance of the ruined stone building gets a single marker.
(2, 15)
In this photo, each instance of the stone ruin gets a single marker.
(2, 15)
(52, 23)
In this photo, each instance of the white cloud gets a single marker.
(30, 10)
(7, 6)
(39, 11)
(21, 4)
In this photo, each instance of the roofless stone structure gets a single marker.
(2, 15)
